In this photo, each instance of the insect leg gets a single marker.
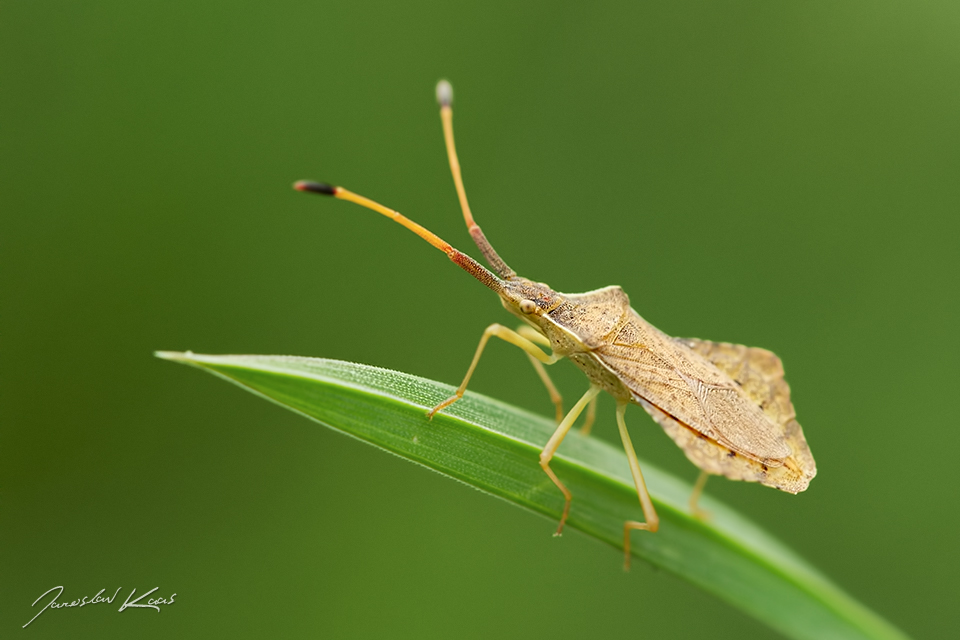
(697, 512)
(503, 333)
(533, 336)
(547, 454)
(649, 513)
(591, 416)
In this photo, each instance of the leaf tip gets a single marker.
(175, 356)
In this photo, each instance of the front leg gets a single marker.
(503, 333)
(535, 336)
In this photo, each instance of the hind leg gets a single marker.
(649, 513)
(695, 509)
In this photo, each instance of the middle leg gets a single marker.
(591, 417)
(547, 454)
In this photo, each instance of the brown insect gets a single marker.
(727, 406)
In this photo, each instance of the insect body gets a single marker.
(727, 406)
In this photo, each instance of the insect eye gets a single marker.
(528, 306)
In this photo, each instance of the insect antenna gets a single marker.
(464, 261)
(445, 98)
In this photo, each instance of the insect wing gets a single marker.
(685, 385)
(760, 374)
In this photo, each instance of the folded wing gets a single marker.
(686, 385)
(760, 374)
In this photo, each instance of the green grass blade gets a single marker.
(495, 447)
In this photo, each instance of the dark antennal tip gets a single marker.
(315, 187)
(444, 93)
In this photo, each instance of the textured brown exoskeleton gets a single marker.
(727, 406)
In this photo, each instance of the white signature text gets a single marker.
(129, 603)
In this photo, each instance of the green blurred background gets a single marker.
(781, 175)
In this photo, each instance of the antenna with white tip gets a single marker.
(445, 99)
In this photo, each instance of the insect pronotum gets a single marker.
(727, 406)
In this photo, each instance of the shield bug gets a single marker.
(726, 406)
